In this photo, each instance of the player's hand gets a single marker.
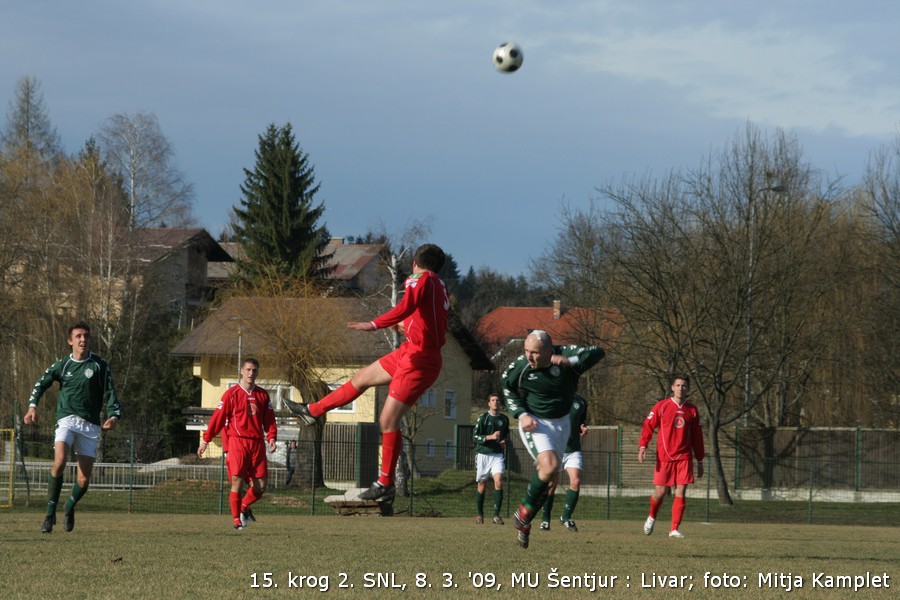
(527, 423)
(201, 449)
(584, 430)
(30, 417)
(642, 452)
(559, 360)
(110, 423)
(271, 446)
(361, 326)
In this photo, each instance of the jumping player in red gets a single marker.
(680, 440)
(245, 416)
(410, 370)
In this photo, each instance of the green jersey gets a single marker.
(578, 416)
(547, 392)
(84, 386)
(485, 426)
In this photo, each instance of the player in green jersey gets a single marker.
(572, 463)
(85, 387)
(490, 435)
(539, 387)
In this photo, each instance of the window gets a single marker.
(427, 399)
(347, 408)
(429, 448)
(449, 404)
(448, 449)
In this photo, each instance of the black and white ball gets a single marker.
(508, 57)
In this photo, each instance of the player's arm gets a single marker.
(40, 386)
(412, 297)
(697, 440)
(113, 408)
(650, 424)
(579, 358)
(216, 422)
(478, 433)
(270, 426)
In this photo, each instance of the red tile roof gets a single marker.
(575, 326)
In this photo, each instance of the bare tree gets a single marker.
(719, 273)
(136, 149)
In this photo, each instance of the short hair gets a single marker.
(675, 376)
(430, 257)
(493, 395)
(78, 325)
(250, 360)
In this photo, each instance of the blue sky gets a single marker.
(404, 118)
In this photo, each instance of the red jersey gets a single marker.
(423, 312)
(243, 414)
(679, 430)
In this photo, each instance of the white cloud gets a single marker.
(784, 77)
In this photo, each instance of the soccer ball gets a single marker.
(508, 57)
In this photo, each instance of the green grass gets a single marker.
(116, 555)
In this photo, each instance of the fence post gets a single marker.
(708, 490)
(312, 479)
(619, 450)
(809, 515)
(221, 482)
(131, 471)
(737, 458)
(858, 478)
(608, 479)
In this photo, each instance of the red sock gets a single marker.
(391, 444)
(654, 507)
(677, 511)
(339, 397)
(235, 501)
(249, 498)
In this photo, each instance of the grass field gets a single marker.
(120, 555)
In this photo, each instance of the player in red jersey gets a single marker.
(246, 417)
(680, 440)
(409, 370)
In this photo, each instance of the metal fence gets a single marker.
(801, 482)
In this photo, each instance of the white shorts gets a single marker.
(572, 460)
(550, 435)
(486, 465)
(80, 435)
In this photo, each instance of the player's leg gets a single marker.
(55, 481)
(480, 488)
(677, 509)
(498, 491)
(574, 473)
(548, 507)
(371, 375)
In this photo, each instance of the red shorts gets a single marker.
(412, 373)
(247, 458)
(673, 472)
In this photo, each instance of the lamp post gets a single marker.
(752, 266)
(240, 321)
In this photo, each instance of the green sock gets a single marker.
(498, 502)
(571, 501)
(54, 488)
(548, 508)
(479, 503)
(77, 493)
(535, 493)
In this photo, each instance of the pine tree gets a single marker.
(277, 222)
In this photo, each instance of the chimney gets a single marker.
(557, 310)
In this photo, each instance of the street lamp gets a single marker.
(752, 266)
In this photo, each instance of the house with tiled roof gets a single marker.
(506, 327)
(270, 328)
(356, 267)
(175, 262)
